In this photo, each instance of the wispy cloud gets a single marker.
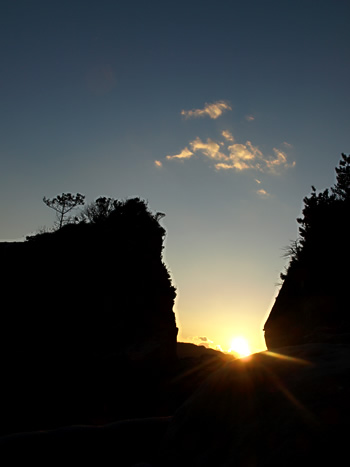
(210, 149)
(204, 339)
(228, 135)
(213, 110)
(243, 157)
(184, 154)
(280, 160)
(250, 118)
(201, 340)
(228, 154)
(263, 193)
(158, 164)
(236, 156)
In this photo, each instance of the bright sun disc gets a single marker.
(240, 346)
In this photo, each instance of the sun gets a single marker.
(240, 346)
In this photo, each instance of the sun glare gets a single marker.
(240, 346)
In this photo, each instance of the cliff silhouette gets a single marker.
(313, 302)
(96, 287)
(86, 311)
(88, 332)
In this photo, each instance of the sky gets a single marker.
(221, 114)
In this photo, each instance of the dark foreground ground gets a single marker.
(285, 408)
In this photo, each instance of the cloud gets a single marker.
(210, 149)
(227, 135)
(237, 157)
(249, 157)
(201, 340)
(158, 164)
(250, 118)
(228, 154)
(263, 193)
(244, 156)
(214, 110)
(280, 160)
(184, 154)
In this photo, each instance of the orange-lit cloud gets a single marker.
(280, 160)
(213, 110)
(158, 164)
(228, 154)
(250, 118)
(247, 156)
(210, 149)
(184, 154)
(200, 340)
(236, 156)
(243, 157)
(263, 193)
(228, 135)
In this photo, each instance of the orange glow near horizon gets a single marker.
(240, 346)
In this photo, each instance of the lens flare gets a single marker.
(240, 346)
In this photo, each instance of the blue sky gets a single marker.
(96, 94)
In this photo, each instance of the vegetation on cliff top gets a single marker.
(324, 221)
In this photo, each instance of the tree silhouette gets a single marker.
(64, 204)
(99, 210)
(313, 302)
(323, 216)
(342, 188)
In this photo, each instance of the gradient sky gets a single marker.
(221, 114)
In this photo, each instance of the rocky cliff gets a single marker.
(85, 311)
(312, 306)
(313, 302)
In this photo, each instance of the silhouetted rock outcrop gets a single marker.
(188, 350)
(313, 302)
(86, 317)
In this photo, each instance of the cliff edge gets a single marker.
(313, 302)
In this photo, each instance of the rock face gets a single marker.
(268, 410)
(85, 311)
(313, 303)
(96, 287)
(312, 306)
